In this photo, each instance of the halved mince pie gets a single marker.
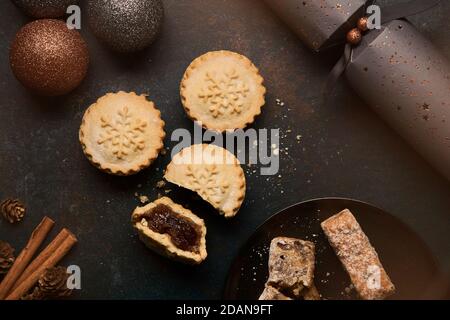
(212, 172)
(171, 230)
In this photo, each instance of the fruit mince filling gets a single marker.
(185, 235)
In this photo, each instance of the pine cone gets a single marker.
(12, 210)
(53, 283)
(6, 257)
(35, 294)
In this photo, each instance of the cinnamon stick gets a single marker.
(50, 262)
(25, 256)
(44, 255)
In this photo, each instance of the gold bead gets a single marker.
(362, 24)
(354, 36)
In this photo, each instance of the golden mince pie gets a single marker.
(171, 230)
(213, 173)
(122, 133)
(222, 90)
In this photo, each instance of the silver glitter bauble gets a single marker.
(126, 25)
(44, 8)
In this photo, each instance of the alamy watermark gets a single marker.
(373, 17)
(74, 19)
(74, 279)
(253, 147)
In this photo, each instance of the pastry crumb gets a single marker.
(279, 102)
(160, 184)
(144, 199)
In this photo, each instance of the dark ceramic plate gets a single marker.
(408, 261)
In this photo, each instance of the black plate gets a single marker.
(406, 258)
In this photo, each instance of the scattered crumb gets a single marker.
(163, 152)
(144, 199)
(160, 184)
(279, 102)
(349, 289)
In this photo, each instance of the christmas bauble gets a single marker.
(126, 25)
(44, 8)
(48, 58)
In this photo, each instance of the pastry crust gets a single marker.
(271, 293)
(291, 265)
(357, 255)
(222, 90)
(122, 133)
(213, 173)
(162, 243)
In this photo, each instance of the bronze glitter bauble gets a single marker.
(44, 8)
(126, 25)
(354, 36)
(362, 24)
(48, 58)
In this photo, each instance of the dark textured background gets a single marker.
(345, 150)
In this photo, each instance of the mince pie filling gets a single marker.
(185, 235)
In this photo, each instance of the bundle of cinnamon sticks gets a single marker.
(25, 272)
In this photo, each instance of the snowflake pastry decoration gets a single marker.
(225, 94)
(123, 134)
(203, 180)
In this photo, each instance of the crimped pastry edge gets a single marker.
(108, 169)
(207, 124)
(162, 243)
(239, 172)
